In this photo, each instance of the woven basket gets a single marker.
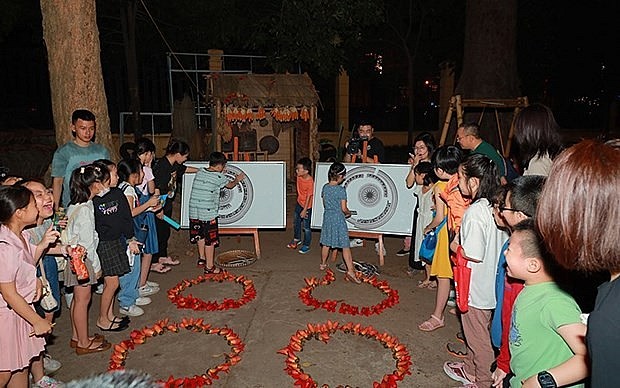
(235, 258)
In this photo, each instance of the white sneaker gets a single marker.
(377, 249)
(50, 365)
(48, 382)
(152, 284)
(143, 301)
(356, 242)
(147, 290)
(132, 311)
(99, 289)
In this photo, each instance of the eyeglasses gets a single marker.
(507, 209)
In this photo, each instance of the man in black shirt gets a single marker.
(374, 146)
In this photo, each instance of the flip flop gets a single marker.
(119, 327)
(160, 268)
(167, 260)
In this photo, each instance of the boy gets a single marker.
(79, 152)
(204, 204)
(303, 207)
(546, 335)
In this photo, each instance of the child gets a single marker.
(114, 225)
(425, 180)
(546, 336)
(303, 207)
(130, 295)
(334, 232)
(204, 204)
(85, 184)
(167, 171)
(481, 242)
(448, 203)
(18, 288)
(79, 152)
(144, 151)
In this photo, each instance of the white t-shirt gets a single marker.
(482, 241)
(148, 176)
(539, 165)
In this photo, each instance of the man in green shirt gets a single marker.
(468, 137)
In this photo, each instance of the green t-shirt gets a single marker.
(535, 344)
(71, 156)
(488, 150)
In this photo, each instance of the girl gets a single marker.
(335, 233)
(144, 150)
(425, 180)
(481, 242)
(167, 171)
(448, 203)
(423, 147)
(130, 174)
(19, 287)
(114, 225)
(85, 183)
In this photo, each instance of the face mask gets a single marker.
(103, 192)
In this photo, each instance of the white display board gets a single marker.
(258, 201)
(376, 192)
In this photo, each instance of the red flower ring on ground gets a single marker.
(324, 331)
(191, 302)
(138, 337)
(305, 294)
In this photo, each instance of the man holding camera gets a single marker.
(374, 146)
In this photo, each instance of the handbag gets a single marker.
(462, 280)
(47, 302)
(429, 243)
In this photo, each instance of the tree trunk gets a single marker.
(72, 39)
(490, 57)
(128, 22)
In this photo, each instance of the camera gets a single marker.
(355, 144)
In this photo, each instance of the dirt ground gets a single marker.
(266, 323)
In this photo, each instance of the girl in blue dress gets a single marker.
(334, 232)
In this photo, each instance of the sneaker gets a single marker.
(304, 249)
(356, 242)
(48, 382)
(50, 365)
(132, 311)
(152, 284)
(143, 301)
(403, 252)
(294, 244)
(377, 249)
(99, 289)
(147, 290)
(456, 371)
(451, 302)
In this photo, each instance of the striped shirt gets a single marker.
(204, 199)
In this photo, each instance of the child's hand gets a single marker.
(134, 247)
(62, 223)
(50, 237)
(41, 327)
(153, 201)
(240, 176)
(498, 377)
(347, 213)
(39, 291)
(303, 214)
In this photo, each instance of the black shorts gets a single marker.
(207, 230)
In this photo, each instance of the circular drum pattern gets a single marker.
(235, 202)
(377, 196)
(138, 337)
(324, 332)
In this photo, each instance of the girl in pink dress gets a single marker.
(21, 338)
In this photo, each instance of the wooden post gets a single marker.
(235, 148)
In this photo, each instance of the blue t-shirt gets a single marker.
(71, 156)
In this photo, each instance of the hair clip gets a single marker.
(97, 168)
(82, 169)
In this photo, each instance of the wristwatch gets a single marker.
(546, 380)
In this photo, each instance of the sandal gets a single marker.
(457, 349)
(212, 270)
(424, 284)
(99, 347)
(160, 268)
(323, 267)
(432, 285)
(431, 324)
(96, 337)
(167, 260)
(114, 326)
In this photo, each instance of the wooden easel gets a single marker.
(368, 235)
(458, 104)
(240, 231)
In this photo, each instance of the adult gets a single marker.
(578, 216)
(374, 146)
(423, 147)
(79, 152)
(537, 135)
(468, 137)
